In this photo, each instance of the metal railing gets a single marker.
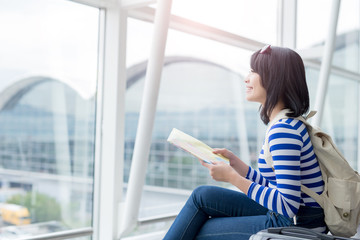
(80, 232)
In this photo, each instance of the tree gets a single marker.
(42, 207)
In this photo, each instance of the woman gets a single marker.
(268, 198)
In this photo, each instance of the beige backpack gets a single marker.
(341, 197)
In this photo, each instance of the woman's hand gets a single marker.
(235, 162)
(223, 172)
(228, 154)
(220, 171)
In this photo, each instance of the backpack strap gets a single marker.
(314, 195)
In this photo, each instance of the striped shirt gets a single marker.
(295, 163)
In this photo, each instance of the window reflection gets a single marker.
(46, 158)
(202, 99)
(47, 116)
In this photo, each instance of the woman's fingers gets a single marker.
(224, 152)
(219, 150)
(219, 171)
(205, 163)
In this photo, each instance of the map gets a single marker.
(194, 146)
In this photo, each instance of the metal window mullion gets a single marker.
(98, 122)
(352, 76)
(286, 25)
(131, 4)
(69, 234)
(128, 4)
(110, 130)
(146, 117)
(98, 3)
(326, 63)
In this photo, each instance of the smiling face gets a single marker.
(255, 92)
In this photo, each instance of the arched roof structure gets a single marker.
(11, 94)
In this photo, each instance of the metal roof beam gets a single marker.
(132, 4)
(199, 29)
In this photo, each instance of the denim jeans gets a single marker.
(218, 213)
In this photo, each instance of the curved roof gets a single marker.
(137, 71)
(11, 94)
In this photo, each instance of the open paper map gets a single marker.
(194, 146)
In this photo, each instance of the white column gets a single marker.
(326, 63)
(287, 19)
(146, 118)
(110, 118)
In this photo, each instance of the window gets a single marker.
(240, 17)
(48, 72)
(202, 94)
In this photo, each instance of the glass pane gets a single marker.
(181, 44)
(309, 31)
(341, 116)
(202, 94)
(341, 113)
(347, 53)
(348, 16)
(312, 76)
(48, 70)
(312, 33)
(254, 19)
(139, 33)
(347, 42)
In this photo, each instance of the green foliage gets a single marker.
(42, 207)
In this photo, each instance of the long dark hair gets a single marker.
(282, 75)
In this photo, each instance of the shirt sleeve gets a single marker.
(283, 194)
(256, 177)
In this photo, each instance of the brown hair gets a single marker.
(282, 75)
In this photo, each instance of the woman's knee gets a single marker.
(202, 190)
(202, 193)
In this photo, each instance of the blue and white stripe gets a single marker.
(295, 163)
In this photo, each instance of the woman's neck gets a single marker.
(278, 107)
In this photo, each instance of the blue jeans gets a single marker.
(218, 213)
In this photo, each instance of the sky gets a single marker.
(49, 37)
